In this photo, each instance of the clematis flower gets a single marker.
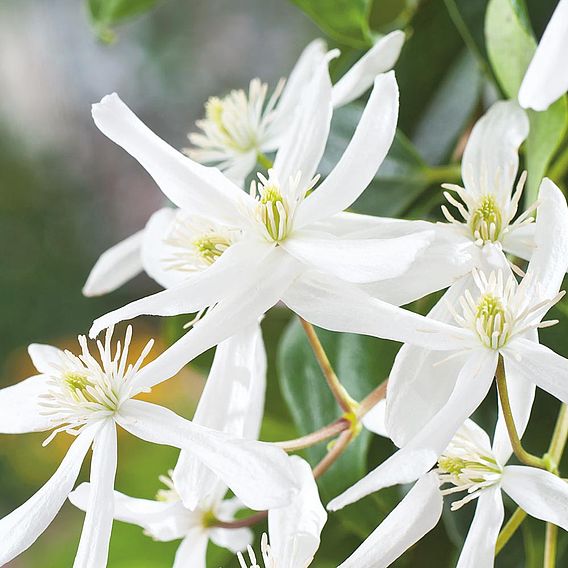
(546, 78)
(294, 531)
(430, 394)
(87, 398)
(240, 126)
(471, 466)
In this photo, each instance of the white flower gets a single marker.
(294, 531)
(472, 467)
(430, 394)
(240, 126)
(546, 78)
(264, 247)
(87, 396)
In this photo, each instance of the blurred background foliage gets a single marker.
(67, 194)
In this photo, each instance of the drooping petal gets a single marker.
(479, 546)
(235, 540)
(302, 147)
(520, 242)
(200, 189)
(538, 364)
(234, 270)
(341, 306)
(362, 158)
(540, 493)
(374, 420)
(357, 260)
(294, 530)
(20, 409)
(232, 402)
(416, 515)
(546, 78)
(115, 267)
(45, 358)
(420, 454)
(491, 160)
(20, 529)
(192, 552)
(259, 474)
(95, 537)
(379, 59)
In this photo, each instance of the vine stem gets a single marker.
(510, 529)
(550, 545)
(320, 435)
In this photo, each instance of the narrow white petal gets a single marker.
(115, 267)
(95, 537)
(362, 158)
(357, 260)
(200, 189)
(546, 78)
(374, 420)
(232, 402)
(416, 515)
(491, 159)
(259, 473)
(44, 357)
(479, 546)
(235, 540)
(521, 242)
(540, 493)
(540, 365)
(20, 409)
(379, 59)
(241, 165)
(20, 529)
(192, 550)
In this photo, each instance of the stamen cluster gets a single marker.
(267, 557)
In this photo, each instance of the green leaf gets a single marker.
(346, 21)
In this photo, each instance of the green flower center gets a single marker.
(210, 247)
(274, 212)
(487, 221)
(491, 321)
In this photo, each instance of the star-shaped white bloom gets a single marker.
(87, 396)
(470, 465)
(546, 78)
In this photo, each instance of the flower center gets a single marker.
(169, 493)
(491, 321)
(78, 386)
(486, 222)
(273, 212)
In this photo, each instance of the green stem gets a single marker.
(265, 162)
(559, 167)
(558, 442)
(550, 543)
(510, 529)
(449, 173)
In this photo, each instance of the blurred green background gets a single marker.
(67, 194)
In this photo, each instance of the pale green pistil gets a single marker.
(274, 213)
(487, 222)
(211, 247)
(78, 386)
(491, 321)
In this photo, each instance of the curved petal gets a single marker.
(479, 547)
(235, 540)
(491, 159)
(362, 158)
(95, 537)
(374, 420)
(232, 402)
(200, 189)
(540, 493)
(521, 241)
(302, 147)
(538, 364)
(295, 529)
(340, 306)
(115, 267)
(259, 474)
(234, 270)
(546, 78)
(45, 358)
(240, 166)
(416, 515)
(357, 260)
(20, 529)
(193, 550)
(20, 409)
(379, 59)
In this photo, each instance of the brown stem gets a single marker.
(320, 435)
(372, 399)
(240, 523)
(330, 458)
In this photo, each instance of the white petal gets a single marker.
(521, 242)
(540, 365)
(379, 59)
(540, 493)
(95, 537)
(294, 530)
(240, 167)
(235, 269)
(45, 358)
(302, 147)
(340, 306)
(200, 189)
(479, 546)
(20, 409)
(259, 474)
(232, 402)
(20, 529)
(362, 158)
(416, 515)
(546, 78)
(115, 267)
(420, 454)
(374, 420)
(357, 260)
(549, 261)
(490, 160)
(235, 540)
(192, 550)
